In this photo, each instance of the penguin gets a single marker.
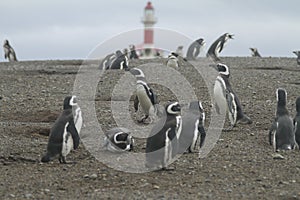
(296, 122)
(145, 97)
(173, 60)
(118, 140)
(297, 53)
(218, 46)
(63, 134)
(192, 125)
(194, 49)
(179, 51)
(254, 52)
(121, 61)
(132, 55)
(9, 52)
(281, 134)
(106, 62)
(162, 144)
(226, 99)
(77, 114)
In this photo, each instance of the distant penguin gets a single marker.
(121, 61)
(297, 53)
(254, 52)
(9, 52)
(226, 99)
(63, 134)
(281, 134)
(132, 54)
(297, 122)
(179, 51)
(107, 61)
(118, 140)
(145, 97)
(192, 125)
(194, 49)
(172, 60)
(218, 46)
(162, 144)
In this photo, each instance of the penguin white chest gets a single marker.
(172, 63)
(144, 100)
(67, 144)
(78, 119)
(219, 96)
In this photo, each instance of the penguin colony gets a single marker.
(172, 134)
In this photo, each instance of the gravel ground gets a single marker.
(241, 164)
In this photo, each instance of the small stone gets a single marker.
(86, 176)
(277, 156)
(28, 196)
(12, 195)
(252, 134)
(46, 190)
(94, 176)
(156, 187)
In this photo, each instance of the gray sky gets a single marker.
(72, 29)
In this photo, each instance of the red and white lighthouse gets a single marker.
(148, 20)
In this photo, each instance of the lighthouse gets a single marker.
(148, 20)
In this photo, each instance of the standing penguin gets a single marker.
(192, 125)
(281, 134)
(297, 122)
(106, 62)
(297, 53)
(254, 52)
(118, 140)
(194, 49)
(132, 54)
(162, 144)
(145, 97)
(173, 60)
(218, 46)
(179, 51)
(226, 99)
(9, 52)
(121, 61)
(63, 134)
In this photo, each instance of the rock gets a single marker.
(86, 176)
(93, 176)
(277, 156)
(156, 187)
(28, 196)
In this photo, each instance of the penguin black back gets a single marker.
(281, 134)
(297, 122)
(162, 144)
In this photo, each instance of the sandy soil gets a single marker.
(241, 164)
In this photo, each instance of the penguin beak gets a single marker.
(231, 36)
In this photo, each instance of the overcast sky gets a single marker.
(72, 29)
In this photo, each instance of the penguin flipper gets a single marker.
(202, 135)
(74, 133)
(271, 132)
(136, 103)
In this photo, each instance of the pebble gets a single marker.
(156, 187)
(277, 156)
(94, 176)
(12, 195)
(28, 196)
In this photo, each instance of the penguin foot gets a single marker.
(168, 169)
(245, 120)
